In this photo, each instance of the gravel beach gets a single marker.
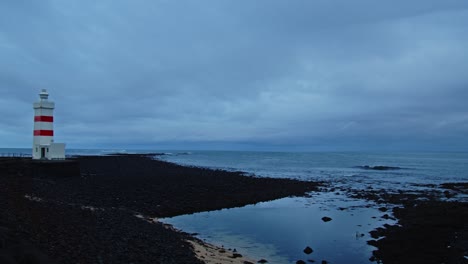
(109, 213)
(92, 218)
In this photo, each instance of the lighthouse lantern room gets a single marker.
(43, 142)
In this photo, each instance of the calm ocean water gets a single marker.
(416, 168)
(279, 230)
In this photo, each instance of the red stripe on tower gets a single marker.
(49, 133)
(43, 119)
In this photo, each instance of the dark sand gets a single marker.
(91, 219)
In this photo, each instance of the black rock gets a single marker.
(448, 194)
(308, 250)
(366, 167)
(300, 262)
(326, 219)
(383, 209)
(262, 261)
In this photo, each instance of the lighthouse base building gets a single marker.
(44, 146)
(53, 151)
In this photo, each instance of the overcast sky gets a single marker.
(235, 74)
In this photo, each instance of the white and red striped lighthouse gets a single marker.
(43, 142)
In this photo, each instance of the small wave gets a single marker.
(113, 151)
(177, 153)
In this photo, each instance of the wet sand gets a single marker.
(92, 218)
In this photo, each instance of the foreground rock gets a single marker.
(429, 230)
(308, 250)
(91, 219)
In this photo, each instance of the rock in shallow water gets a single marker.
(326, 219)
(366, 167)
(308, 250)
(383, 209)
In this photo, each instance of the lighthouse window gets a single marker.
(36, 149)
(47, 149)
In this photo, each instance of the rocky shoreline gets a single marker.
(92, 218)
(432, 225)
(109, 213)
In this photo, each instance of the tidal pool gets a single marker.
(279, 230)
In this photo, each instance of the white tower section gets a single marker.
(43, 140)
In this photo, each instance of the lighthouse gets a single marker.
(43, 140)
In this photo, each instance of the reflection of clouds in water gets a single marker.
(286, 226)
(247, 246)
(282, 228)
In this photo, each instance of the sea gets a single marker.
(278, 231)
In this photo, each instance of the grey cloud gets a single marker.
(288, 74)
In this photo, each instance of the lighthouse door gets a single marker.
(42, 153)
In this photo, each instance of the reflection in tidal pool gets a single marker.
(279, 230)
